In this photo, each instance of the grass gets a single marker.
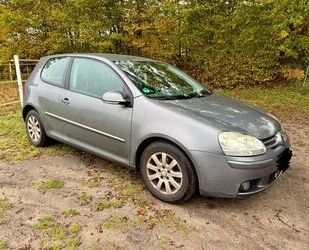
(117, 222)
(107, 203)
(279, 99)
(132, 189)
(70, 213)
(49, 184)
(84, 198)
(51, 228)
(128, 185)
(5, 205)
(73, 243)
(14, 143)
(51, 244)
(165, 241)
(167, 218)
(151, 216)
(56, 235)
(75, 228)
(114, 222)
(44, 222)
(3, 245)
(8, 92)
(92, 182)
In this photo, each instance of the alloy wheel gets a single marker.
(34, 129)
(164, 173)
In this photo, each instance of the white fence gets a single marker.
(16, 71)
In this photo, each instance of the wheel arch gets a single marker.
(26, 110)
(147, 141)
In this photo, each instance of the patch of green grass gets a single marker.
(118, 222)
(51, 228)
(167, 218)
(92, 182)
(5, 205)
(107, 203)
(47, 243)
(75, 228)
(73, 242)
(84, 198)
(3, 245)
(70, 213)
(49, 184)
(14, 143)
(114, 222)
(132, 189)
(55, 234)
(128, 186)
(279, 99)
(44, 222)
(141, 202)
(165, 241)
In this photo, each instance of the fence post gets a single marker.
(10, 68)
(306, 75)
(19, 80)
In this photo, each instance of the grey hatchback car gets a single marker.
(151, 116)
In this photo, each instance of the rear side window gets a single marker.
(93, 78)
(53, 71)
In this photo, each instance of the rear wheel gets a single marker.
(35, 130)
(168, 173)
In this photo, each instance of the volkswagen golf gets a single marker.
(151, 116)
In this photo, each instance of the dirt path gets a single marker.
(276, 218)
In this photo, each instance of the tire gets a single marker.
(35, 129)
(162, 176)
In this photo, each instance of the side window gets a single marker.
(93, 78)
(53, 71)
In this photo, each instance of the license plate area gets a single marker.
(284, 159)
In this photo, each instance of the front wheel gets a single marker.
(168, 173)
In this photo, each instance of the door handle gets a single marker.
(65, 100)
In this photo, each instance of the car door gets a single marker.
(93, 125)
(50, 89)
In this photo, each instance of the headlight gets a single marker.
(237, 144)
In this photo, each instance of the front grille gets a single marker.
(272, 141)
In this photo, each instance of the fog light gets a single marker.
(245, 186)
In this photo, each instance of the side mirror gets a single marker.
(114, 97)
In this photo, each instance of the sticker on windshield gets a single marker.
(146, 90)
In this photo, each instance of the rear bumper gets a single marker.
(223, 176)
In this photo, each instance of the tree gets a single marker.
(221, 42)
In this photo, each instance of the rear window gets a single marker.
(53, 71)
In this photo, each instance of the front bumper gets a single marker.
(223, 176)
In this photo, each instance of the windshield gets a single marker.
(161, 81)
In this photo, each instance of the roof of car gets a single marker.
(111, 57)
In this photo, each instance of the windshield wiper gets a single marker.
(179, 97)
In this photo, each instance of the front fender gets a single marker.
(150, 119)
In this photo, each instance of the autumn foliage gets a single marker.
(223, 43)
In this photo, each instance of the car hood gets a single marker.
(230, 113)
